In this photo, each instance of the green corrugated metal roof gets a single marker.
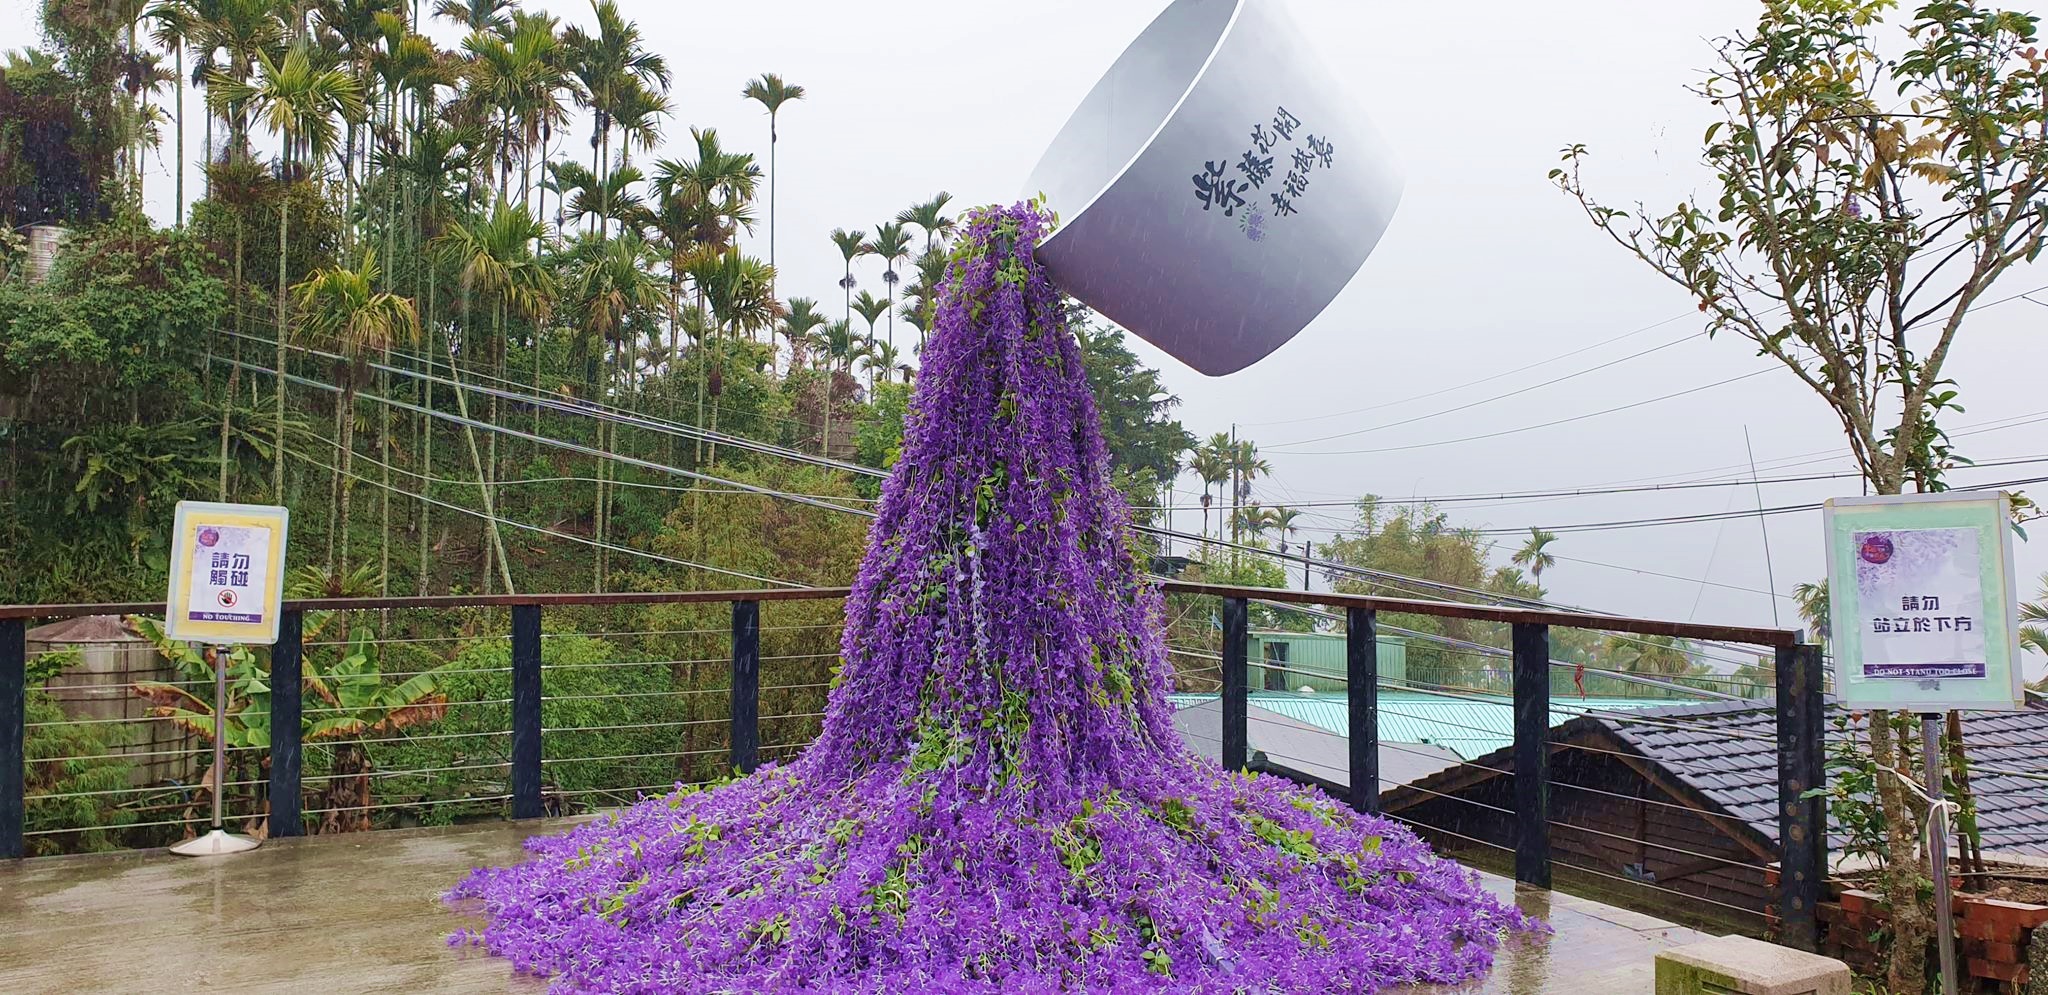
(1467, 727)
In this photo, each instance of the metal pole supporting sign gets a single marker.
(217, 839)
(227, 589)
(1937, 847)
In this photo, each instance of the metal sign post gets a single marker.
(1937, 847)
(218, 840)
(227, 589)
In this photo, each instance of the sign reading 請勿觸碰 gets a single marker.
(227, 573)
(1922, 606)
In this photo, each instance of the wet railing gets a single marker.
(537, 712)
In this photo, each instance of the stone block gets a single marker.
(1738, 965)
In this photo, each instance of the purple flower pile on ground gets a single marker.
(999, 801)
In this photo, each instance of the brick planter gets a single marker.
(1992, 938)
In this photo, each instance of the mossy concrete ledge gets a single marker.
(1738, 965)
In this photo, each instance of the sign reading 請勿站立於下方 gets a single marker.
(1922, 606)
(227, 573)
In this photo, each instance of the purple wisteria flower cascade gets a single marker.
(998, 801)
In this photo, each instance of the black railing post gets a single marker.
(1802, 821)
(526, 711)
(287, 682)
(746, 686)
(1532, 754)
(13, 730)
(1236, 706)
(1362, 676)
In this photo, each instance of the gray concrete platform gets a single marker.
(361, 913)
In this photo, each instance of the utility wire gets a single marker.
(1717, 516)
(1473, 383)
(1531, 428)
(1497, 397)
(1507, 496)
(575, 447)
(544, 531)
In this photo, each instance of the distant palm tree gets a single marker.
(713, 187)
(613, 284)
(433, 161)
(771, 92)
(1666, 656)
(1246, 465)
(871, 308)
(930, 218)
(477, 15)
(301, 103)
(175, 23)
(891, 243)
(1811, 599)
(1255, 521)
(1283, 520)
(494, 255)
(796, 327)
(837, 347)
(1534, 553)
(611, 200)
(741, 292)
(341, 309)
(921, 298)
(852, 245)
(610, 63)
(1209, 465)
(879, 357)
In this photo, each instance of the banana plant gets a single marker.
(350, 704)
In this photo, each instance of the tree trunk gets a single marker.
(334, 524)
(427, 437)
(284, 224)
(718, 370)
(604, 448)
(675, 354)
(384, 375)
(227, 406)
(348, 456)
(1971, 848)
(181, 135)
(825, 440)
(476, 461)
(1906, 957)
(491, 418)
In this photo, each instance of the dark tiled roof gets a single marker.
(1727, 753)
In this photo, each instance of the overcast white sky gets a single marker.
(1486, 269)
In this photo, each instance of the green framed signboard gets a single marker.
(1922, 608)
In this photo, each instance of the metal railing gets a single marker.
(1799, 744)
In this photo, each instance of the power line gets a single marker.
(535, 528)
(594, 409)
(575, 447)
(1718, 515)
(1497, 397)
(1281, 448)
(1473, 383)
(1411, 585)
(1576, 492)
(1532, 428)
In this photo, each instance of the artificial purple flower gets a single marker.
(998, 801)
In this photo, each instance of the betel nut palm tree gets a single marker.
(340, 308)
(303, 105)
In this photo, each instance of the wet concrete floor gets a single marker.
(361, 913)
